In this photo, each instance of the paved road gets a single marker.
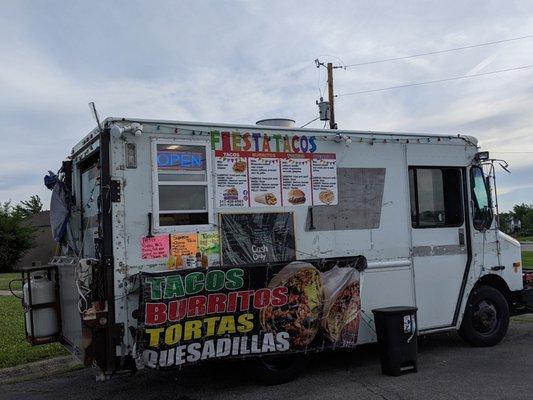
(448, 369)
(8, 293)
(527, 246)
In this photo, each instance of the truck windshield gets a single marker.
(482, 217)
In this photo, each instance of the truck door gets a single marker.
(439, 247)
(90, 190)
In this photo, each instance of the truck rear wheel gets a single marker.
(486, 317)
(275, 370)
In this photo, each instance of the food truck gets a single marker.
(185, 242)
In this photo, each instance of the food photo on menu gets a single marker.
(239, 166)
(296, 196)
(326, 196)
(268, 199)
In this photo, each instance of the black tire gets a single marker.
(486, 317)
(275, 370)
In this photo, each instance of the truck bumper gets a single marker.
(523, 301)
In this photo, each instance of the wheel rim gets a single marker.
(485, 317)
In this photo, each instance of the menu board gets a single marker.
(231, 181)
(265, 185)
(250, 179)
(324, 181)
(257, 238)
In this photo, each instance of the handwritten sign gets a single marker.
(184, 244)
(154, 247)
(209, 243)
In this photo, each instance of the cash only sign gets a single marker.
(188, 316)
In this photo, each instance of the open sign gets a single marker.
(177, 160)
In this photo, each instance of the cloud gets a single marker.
(238, 62)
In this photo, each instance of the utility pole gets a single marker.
(327, 109)
(332, 124)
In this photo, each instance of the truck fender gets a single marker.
(497, 282)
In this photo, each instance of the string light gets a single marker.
(339, 138)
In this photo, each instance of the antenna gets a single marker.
(92, 107)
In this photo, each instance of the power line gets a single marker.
(313, 120)
(434, 81)
(436, 52)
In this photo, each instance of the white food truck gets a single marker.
(186, 241)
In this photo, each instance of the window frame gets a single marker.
(415, 182)
(207, 183)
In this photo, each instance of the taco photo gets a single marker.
(239, 166)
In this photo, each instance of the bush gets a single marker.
(15, 237)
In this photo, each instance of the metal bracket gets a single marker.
(115, 191)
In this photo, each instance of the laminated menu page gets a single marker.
(296, 181)
(265, 185)
(231, 181)
(324, 170)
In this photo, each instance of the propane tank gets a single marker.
(44, 319)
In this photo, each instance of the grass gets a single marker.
(5, 278)
(527, 259)
(525, 238)
(15, 349)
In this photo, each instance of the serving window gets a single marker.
(181, 188)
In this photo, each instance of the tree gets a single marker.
(505, 222)
(524, 213)
(15, 237)
(527, 222)
(520, 210)
(29, 207)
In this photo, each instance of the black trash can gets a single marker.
(396, 329)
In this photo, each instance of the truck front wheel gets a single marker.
(274, 370)
(486, 317)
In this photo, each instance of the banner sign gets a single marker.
(252, 238)
(190, 316)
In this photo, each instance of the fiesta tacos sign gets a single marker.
(262, 142)
(190, 316)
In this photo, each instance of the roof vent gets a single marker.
(279, 122)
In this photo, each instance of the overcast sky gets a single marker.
(238, 62)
